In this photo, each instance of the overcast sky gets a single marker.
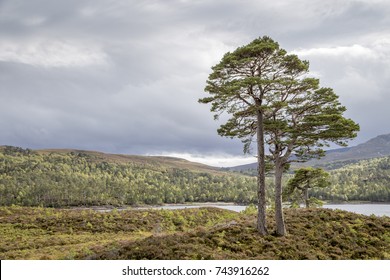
(125, 76)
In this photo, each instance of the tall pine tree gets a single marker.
(272, 102)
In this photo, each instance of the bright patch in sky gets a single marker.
(216, 160)
(49, 53)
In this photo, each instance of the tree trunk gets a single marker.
(279, 218)
(261, 207)
(306, 194)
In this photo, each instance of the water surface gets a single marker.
(365, 209)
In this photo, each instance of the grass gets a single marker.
(201, 233)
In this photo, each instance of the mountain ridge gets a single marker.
(173, 162)
(378, 146)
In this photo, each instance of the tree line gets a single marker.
(78, 179)
(365, 180)
(351, 180)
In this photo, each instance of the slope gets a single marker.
(59, 178)
(203, 233)
(376, 147)
(96, 156)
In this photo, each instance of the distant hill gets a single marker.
(363, 180)
(61, 178)
(171, 162)
(373, 148)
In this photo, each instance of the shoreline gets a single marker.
(368, 208)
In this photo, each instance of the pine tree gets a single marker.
(304, 179)
(272, 100)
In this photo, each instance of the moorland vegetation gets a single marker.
(202, 233)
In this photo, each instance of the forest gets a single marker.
(55, 179)
(364, 180)
(79, 178)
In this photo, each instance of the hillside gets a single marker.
(364, 180)
(204, 233)
(95, 156)
(58, 178)
(65, 178)
(375, 147)
(353, 180)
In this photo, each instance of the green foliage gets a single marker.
(251, 209)
(244, 84)
(46, 233)
(80, 179)
(297, 116)
(328, 235)
(270, 98)
(69, 179)
(356, 180)
(202, 233)
(365, 180)
(304, 179)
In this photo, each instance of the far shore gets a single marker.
(196, 204)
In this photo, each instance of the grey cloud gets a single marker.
(157, 55)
